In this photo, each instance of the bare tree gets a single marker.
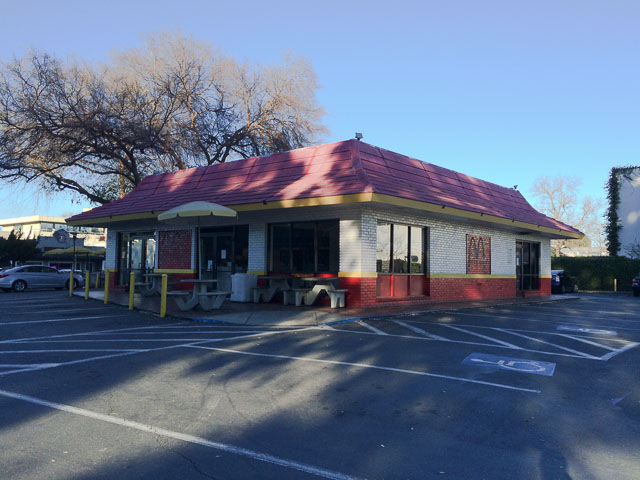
(558, 197)
(99, 129)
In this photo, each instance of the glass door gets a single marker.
(216, 257)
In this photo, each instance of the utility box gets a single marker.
(241, 285)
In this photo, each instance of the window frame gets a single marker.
(335, 223)
(392, 264)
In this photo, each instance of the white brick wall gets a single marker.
(111, 255)
(257, 247)
(448, 242)
(358, 232)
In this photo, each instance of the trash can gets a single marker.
(241, 285)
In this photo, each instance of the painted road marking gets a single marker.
(491, 339)
(589, 342)
(512, 364)
(263, 457)
(464, 342)
(609, 356)
(123, 353)
(68, 319)
(420, 331)
(596, 331)
(371, 327)
(365, 365)
(582, 354)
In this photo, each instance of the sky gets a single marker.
(503, 90)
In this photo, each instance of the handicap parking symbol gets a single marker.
(522, 365)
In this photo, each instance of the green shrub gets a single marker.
(597, 273)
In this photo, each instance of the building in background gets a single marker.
(629, 213)
(54, 235)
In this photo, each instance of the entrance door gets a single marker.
(518, 267)
(216, 258)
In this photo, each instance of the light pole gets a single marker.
(74, 235)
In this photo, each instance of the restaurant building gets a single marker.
(391, 228)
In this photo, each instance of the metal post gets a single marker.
(106, 286)
(615, 284)
(71, 283)
(132, 289)
(74, 235)
(163, 296)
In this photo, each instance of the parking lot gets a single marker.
(540, 391)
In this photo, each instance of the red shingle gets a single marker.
(332, 169)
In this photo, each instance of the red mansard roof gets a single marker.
(335, 169)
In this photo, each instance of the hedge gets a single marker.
(597, 273)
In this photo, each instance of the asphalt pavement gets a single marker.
(525, 391)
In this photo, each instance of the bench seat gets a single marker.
(337, 297)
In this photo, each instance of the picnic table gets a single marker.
(320, 285)
(276, 284)
(152, 284)
(207, 300)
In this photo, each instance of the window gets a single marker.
(407, 244)
(46, 227)
(304, 247)
(401, 261)
(527, 265)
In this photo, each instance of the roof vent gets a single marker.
(359, 136)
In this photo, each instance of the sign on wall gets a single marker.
(478, 254)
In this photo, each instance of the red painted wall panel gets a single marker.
(174, 249)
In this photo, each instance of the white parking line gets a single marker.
(263, 457)
(132, 352)
(420, 331)
(462, 342)
(366, 365)
(78, 350)
(582, 354)
(506, 344)
(68, 319)
(83, 309)
(609, 356)
(371, 327)
(28, 365)
(584, 340)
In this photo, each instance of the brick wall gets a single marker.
(175, 249)
(447, 289)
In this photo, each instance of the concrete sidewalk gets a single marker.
(274, 314)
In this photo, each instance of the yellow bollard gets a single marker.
(71, 282)
(615, 284)
(132, 289)
(87, 279)
(163, 296)
(106, 286)
(97, 279)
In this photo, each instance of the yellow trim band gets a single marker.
(354, 198)
(545, 276)
(257, 272)
(471, 275)
(174, 270)
(358, 275)
(111, 270)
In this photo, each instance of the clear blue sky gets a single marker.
(502, 90)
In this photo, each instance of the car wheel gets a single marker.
(75, 284)
(19, 286)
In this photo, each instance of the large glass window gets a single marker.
(401, 258)
(408, 247)
(304, 247)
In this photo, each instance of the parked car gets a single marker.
(19, 279)
(562, 282)
(635, 286)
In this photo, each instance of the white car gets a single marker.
(19, 279)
